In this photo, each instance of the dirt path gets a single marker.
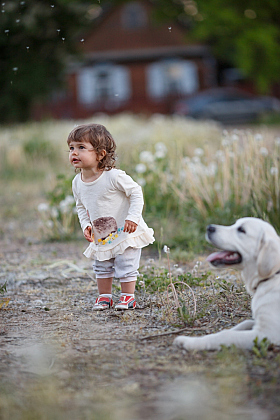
(58, 359)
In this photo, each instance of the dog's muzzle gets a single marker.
(223, 257)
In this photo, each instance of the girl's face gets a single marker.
(83, 156)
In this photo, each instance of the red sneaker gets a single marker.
(102, 303)
(126, 302)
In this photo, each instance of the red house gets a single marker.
(131, 63)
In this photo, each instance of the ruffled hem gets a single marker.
(99, 253)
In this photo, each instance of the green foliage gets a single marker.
(37, 148)
(35, 38)
(245, 36)
(62, 189)
(154, 280)
(58, 216)
(157, 279)
(260, 348)
(3, 288)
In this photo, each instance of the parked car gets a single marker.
(226, 105)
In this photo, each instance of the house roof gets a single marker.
(144, 54)
(111, 39)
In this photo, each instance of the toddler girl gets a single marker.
(109, 205)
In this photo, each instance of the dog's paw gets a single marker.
(181, 342)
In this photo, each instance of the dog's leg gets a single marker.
(245, 325)
(242, 339)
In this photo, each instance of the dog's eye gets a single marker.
(241, 229)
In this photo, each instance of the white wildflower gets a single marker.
(54, 212)
(258, 137)
(273, 170)
(196, 159)
(199, 151)
(234, 138)
(66, 204)
(220, 155)
(141, 182)
(50, 224)
(146, 157)
(186, 160)
(211, 169)
(140, 168)
(269, 206)
(43, 207)
(161, 150)
(69, 199)
(225, 142)
(263, 151)
(166, 249)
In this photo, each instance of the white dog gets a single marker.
(252, 246)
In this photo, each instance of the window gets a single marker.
(172, 77)
(103, 82)
(134, 16)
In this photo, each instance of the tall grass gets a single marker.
(239, 179)
(192, 173)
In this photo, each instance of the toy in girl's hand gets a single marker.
(91, 233)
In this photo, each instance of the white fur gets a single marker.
(259, 247)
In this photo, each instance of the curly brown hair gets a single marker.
(100, 139)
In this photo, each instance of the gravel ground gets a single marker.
(59, 359)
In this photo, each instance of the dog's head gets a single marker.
(251, 245)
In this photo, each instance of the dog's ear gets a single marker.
(268, 261)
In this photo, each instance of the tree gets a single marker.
(243, 34)
(35, 39)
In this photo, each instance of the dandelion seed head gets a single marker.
(258, 137)
(263, 151)
(196, 159)
(141, 182)
(140, 168)
(198, 151)
(146, 156)
(43, 207)
(234, 138)
(274, 170)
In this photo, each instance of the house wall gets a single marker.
(112, 35)
(112, 43)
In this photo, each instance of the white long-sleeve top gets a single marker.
(105, 204)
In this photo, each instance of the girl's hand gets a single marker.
(87, 234)
(130, 226)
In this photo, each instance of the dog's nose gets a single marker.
(211, 229)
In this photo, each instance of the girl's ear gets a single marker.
(102, 154)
